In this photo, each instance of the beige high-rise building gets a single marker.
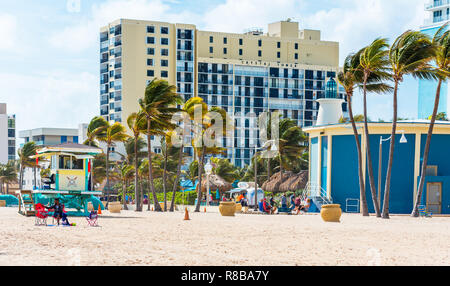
(285, 69)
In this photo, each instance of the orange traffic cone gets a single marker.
(186, 214)
(152, 208)
(205, 209)
(99, 209)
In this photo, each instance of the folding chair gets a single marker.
(92, 219)
(41, 215)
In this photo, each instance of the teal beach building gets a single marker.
(334, 164)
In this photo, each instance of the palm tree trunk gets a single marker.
(268, 169)
(369, 156)
(136, 181)
(34, 172)
(175, 184)
(150, 169)
(107, 175)
(92, 170)
(391, 157)
(21, 177)
(362, 188)
(200, 172)
(418, 201)
(165, 177)
(124, 192)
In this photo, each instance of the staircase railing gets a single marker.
(315, 190)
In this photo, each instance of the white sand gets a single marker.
(151, 238)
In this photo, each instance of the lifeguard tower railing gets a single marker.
(318, 195)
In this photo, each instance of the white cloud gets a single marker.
(360, 22)
(8, 31)
(83, 36)
(51, 99)
(237, 15)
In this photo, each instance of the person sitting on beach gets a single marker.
(305, 206)
(244, 201)
(58, 212)
(272, 201)
(268, 208)
(292, 199)
(283, 201)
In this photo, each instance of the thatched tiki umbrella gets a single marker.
(215, 183)
(289, 182)
(295, 182)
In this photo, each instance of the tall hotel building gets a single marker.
(7, 135)
(438, 13)
(285, 69)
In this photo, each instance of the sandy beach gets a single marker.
(150, 238)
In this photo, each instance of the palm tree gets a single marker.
(125, 173)
(410, 54)
(8, 175)
(373, 62)
(96, 128)
(349, 78)
(136, 123)
(195, 107)
(113, 133)
(28, 150)
(225, 169)
(98, 167)
(441, 41)
(157, 108)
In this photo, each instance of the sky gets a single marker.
(49, 49)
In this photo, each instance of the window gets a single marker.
(211, 39)
(240, 52)
(296, 56)
(164, 74)
(225, 51)
(150, 73)
(225, 40)
(150, 62)
(77, 164)
(278, 45)
(259, 54)
(296, 46)
(164, 41)
(278, 54)
(259, 43)
(211, 50)
(150, 40)
(150, 51)
(241, 42)
(164, 63)
(164, 52)
(151, 29)
(165, 30)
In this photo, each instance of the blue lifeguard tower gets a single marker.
(70, 180)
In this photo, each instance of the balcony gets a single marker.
(430, 6)
(117, 66)
(436, 20)
(103, 102)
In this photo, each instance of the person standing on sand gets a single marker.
(283, 201)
